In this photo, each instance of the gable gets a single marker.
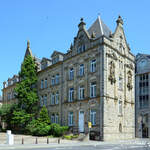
(143, 64)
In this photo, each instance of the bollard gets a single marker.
(22, 140)
(36, 141)
(10, 138)
(47, 140)
(58, 141)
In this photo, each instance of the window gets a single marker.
(57, 78)
(81, 93)
(93, 117)
(81, 48)
(120, 107)
(93, 89)
(81, 70)
(42, 84)
(70, 119)
(8, 96)
(120, 127)
(71, 94)
(120, 83)
(56, 119)
(57, 98)
(55, 60)
(45, 83)
(41, 101)
(93, 65)
(52, 99)
(71, 74)
(45, 100)
(53, 80)
(53, 118)
(144, 101)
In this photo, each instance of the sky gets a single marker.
(52, 25)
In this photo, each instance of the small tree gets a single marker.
(40, 126)
(43, 117)
(6, 114)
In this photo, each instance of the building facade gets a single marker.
(92, 82)
(142, 96)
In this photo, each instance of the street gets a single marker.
(84, 147)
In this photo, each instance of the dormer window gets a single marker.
(44, 65)
(81, 48)
(9, 82)
(55, 60)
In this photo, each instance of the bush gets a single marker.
(38, 128)
(70, 137)
(57, 130)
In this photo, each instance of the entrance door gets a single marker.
(81, 121)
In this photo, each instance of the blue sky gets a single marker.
(52, 24)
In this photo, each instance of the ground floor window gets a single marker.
(93, 117)
(70, 119)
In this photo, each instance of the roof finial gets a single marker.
(81, 24)
(119, 20)
(81, 19)
(28, 44)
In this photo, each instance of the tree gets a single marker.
(26, 94)
(41, 125)
(43, 117)
(26, 91)
(6, 114)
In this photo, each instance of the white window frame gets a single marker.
(81, 92)
(81, 70)
(93, 117)
(70, 119)
(92, 89)
(52, 99)
(71, 74)
(57, 79)
(71, 95)
(93, 65)
(57, 97)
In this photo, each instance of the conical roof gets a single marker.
(99, 29)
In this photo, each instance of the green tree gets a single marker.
(26, 91)
(6, 114)
(41, 125)
(43, 117)
(26, 94)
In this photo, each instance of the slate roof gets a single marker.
(99, 28)
(140, 55)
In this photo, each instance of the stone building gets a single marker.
(8, 90)
(92, 82)
(142, 96)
